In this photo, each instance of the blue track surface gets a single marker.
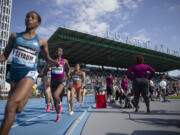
(35, 121)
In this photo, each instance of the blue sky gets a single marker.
(157, 21)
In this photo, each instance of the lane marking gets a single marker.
(29, 120)
(77, 121)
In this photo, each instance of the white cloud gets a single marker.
(62, 2)
(106, 5)
(141, 35)
(95, 27)
(89, 12)
(118, 28)
(85, 15)
(46, 31)
(55, 12)
(88, 15)
(125, 17)
(92, 9)
(131, 3)
(81, 27)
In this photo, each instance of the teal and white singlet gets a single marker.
(24, 58)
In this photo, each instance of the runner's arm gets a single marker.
(46, 69)
(44, 47)
(67, 64)
(8, 48)
(83, 76)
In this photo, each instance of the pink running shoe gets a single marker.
(48, 108)
(58, 117)
(53, 108)
(81, 104)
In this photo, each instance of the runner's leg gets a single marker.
(15, 103)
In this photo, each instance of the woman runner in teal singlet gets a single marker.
(23, 73)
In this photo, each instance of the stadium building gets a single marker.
(90, 49)
(5, 19)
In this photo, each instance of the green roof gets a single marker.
(90, 49)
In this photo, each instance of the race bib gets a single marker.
(57, 70)
(26, 57)
(32, 74)
(75, 78)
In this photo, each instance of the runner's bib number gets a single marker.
(24, 56)
(75, 77)
(57, 70)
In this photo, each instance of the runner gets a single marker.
(23, 72)
(58, 80)
(140, 81)
(48, 95)
(76, 76)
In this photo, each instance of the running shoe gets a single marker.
(58, 117)
(48, 108)
(81, 104)
(53, 108)
(71, 112)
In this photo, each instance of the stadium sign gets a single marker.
(142, 43)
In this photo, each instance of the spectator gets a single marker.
(151, 88)
(163, 85)
(109, 86)
(124, 84)
(140, 81)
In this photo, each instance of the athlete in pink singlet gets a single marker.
(57, 81)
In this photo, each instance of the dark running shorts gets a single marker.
(109, 90)
(56, 83)
(141, 86)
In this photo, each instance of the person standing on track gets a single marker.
(140, 81)
(23, 73)
(77, 85)
(58, 80)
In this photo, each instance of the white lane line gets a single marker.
(77, 121)
(30, 120)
